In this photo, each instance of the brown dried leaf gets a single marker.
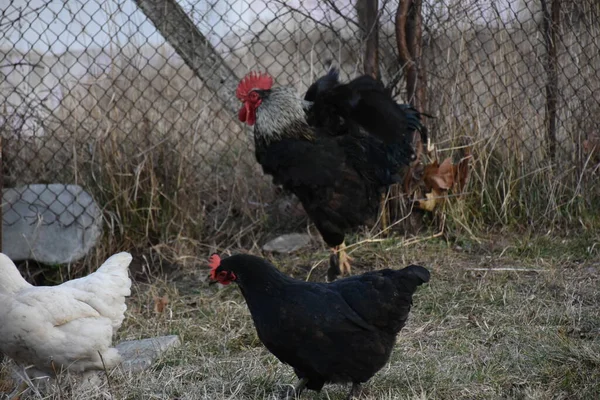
(429, 171)
(160, 303)
(431, 200)
(439, 177)
(445, 175)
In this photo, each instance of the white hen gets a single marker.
(64, 327)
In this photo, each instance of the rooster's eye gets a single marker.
(253, 96)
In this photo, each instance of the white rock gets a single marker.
(139, 355)
(288, 243)
(53, 224)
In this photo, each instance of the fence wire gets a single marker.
(92, 94)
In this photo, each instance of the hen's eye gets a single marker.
(253, 96)
(226, 277)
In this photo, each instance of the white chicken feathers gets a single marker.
(64, 327)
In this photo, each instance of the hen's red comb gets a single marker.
(213, 262)
(253, 80)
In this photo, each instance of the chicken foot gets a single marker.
(384, 214)
(16, 394)
(293, 393)
(23, 386)
(339, 262)
(355, 391)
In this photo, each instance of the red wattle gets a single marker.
(243, 113)
(251, 113)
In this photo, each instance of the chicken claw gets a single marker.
(292, 393)
(19, 390)
(355, 392)
(339, 263)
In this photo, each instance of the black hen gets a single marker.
(328, 332)
(337, 149)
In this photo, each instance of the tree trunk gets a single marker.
(367, 11)
(550, 25)
(409, 34)
(414, 38)
(193, 47)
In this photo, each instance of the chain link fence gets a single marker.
(93, 94)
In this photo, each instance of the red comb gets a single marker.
(253, 80)
(213, 262)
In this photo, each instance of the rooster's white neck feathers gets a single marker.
(280, 110)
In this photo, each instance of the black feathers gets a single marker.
(365, 102)
(340, 153)
(322, 85)
(338, 332)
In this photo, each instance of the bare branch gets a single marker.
(336, 9)
(306, 15)
(5, 21)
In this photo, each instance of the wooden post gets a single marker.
(192, 46)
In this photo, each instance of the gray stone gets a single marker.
(592, 270)
(139, 355)
(53, 223)
(288, 243)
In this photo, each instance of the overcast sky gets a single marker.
(58, 25)
(76, 24)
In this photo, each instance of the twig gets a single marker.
(21, 64)
(308, 16)
(507, 269)
(58, 382)
(335, 9)
(110, 389)
(315, 265)
(416, 240)
(22, 15)
(256, 37)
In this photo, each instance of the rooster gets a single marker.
(337, 149)
(338, 332)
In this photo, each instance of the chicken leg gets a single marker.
(294, 393)
(344, 260)
(24, 384)
(16, 394)
(384, 214)
(339, 262)
(355, 391)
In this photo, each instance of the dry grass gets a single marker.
(472, 334)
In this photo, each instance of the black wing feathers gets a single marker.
(322, 85)
(383, 298)
(364, 101)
